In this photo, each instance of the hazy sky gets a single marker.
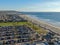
(30, 5)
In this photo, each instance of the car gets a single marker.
(18, 36)
(8, 37)
(18, 41)
(2, 38)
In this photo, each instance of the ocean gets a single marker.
(49, 17)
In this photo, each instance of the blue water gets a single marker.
(50, 17)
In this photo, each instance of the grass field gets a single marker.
(36, 28)
(12, 23)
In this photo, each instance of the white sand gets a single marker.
(42, 24)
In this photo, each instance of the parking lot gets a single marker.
(14, 29)
(15, 34)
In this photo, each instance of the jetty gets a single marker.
(43, 24)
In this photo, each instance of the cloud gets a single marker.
(44, 7)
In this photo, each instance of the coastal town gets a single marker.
(17, 30)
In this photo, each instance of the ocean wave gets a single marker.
(49, 21)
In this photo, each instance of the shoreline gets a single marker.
(43, 24)
(49, 21)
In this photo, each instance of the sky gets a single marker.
(31, 5)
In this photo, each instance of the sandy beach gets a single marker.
(43, 24)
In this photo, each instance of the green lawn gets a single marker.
(36, 28)
(12, 23)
